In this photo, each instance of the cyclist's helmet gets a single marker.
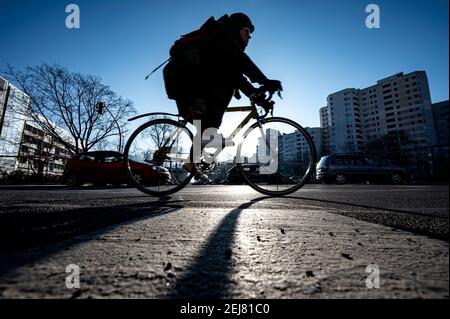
(241, 20)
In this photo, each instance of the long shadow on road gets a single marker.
(19, 231)
(209, 274)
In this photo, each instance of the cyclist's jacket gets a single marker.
(210, 63)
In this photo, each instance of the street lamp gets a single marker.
(101, 108)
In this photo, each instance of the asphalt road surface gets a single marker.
(324, 241)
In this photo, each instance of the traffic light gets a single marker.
(101, 107)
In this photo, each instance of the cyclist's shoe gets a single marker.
(190, 167)
(218, 142)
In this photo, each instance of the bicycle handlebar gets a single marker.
(263, 98)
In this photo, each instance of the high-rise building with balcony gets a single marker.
(42, 153)
(326, 127)
(24, 146)
(405, 106)
(14, 111)
(440, 115)
(397, 104)
(293, 145)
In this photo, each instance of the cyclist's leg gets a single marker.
(212, 120)
(195, 111)
(209, 112)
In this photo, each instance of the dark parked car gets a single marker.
(343, 168)
(106, 167)
(234, 175)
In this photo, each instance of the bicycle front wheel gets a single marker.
(154, 157)
(276, 158)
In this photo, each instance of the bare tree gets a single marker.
(160, 133)
(63, 99)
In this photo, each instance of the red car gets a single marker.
(106, 167)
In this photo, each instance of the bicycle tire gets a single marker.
(311, 166)
(126, 159)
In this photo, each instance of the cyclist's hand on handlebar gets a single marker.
(261, 100)
(272, 86)
(259, 97)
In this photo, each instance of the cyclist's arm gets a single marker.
(246, 87)
(250, 69)
(255, 75)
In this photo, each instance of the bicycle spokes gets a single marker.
(155, 155)
(276, 157)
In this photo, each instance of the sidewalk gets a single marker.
(239, 253)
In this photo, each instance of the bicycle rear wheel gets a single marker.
(277, 158)
(154, 156)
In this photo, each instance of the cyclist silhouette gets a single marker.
(208, 67)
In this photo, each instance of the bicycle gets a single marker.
(263, 157)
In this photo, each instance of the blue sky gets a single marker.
(315, 47)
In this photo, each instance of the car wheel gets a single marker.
(340, 179)
(73, 180)
(396, 178)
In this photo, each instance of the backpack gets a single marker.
(195, 38)
(184, 55)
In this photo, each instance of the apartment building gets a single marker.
(316, 134)
(405, 102)
(372, 114)
(14, 111)
(40, 152)
(345, 132)
(325, 125)
(440, 115)
(398, 103)
(292, 145)
(24, 146)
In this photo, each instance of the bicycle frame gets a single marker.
(205, 162)
(253, 114)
